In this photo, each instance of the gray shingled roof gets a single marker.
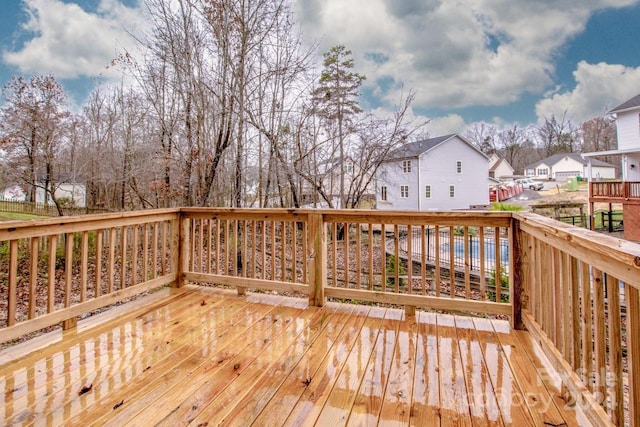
(631, 103)
(414, 149)
(552, 160)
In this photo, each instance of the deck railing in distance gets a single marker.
(581, 290)
(612, 190)
(54, 270)
(576, 291)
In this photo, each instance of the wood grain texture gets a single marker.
(201, 355)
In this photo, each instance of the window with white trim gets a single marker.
(458, 166)
(427, 191)
(383, 193)
(452, 191)
(406, 166)
(404, 191)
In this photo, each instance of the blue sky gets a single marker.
(498, 61)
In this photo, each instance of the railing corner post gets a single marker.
(180, 248)
(517, 274)
(317, 259)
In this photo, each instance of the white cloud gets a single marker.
(598, 87)
(70, 42)
(444, 125)
(453, 53)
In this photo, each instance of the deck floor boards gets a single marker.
(206, 356)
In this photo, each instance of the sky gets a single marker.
(499, 61)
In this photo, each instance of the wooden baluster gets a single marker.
(358, 233)
(98, 269)
(586, 323)
(498, 261)
(396, 254)
(370, 245)
(134, 255)
(112, 259)
(452, 262)
(600, 388)
(483, 263)
(409, 259)
(13, 283)
(345, 242)
(423, 259)
(294, 251)
(145, 253)
(123, 257)
(467, 264)
(84, 261)
(154, 252)
(632, 295)
(51, 273)
(33, 277)
(437, 251)
(383, 254)
(615, 389)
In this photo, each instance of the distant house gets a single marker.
(499, 168)
(436, 174)
(73, 193)
(14, 193)
(562, 166)
(627, 191)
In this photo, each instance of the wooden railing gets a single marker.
(614, 190)
(581, 304)
(54, 270)
(576, 291)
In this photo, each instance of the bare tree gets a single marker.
(33, 124)
(557, 136)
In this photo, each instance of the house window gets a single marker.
(458, 166)
(383, 193)
(452, 191)
(543, 171)
(404, 191)
(406, 166)
(427, 191)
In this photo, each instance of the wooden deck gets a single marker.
(206, 356)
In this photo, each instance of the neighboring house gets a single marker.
(562, 166)
(499, 168)
(69, 191)
(436, 174)
(626, 192)
(15, 193)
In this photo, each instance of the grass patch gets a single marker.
(11, 216)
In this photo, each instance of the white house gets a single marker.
(566, 165)
(77, 193)
(628, 130)
(14, 193)
(499, 167)
(436, 174)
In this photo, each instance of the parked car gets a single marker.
(531, 184)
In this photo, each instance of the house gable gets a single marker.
(628, 123)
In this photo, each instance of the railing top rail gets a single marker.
(618, 257)
(68, 224)
(475, 218)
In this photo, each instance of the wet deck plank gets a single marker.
(209, 356)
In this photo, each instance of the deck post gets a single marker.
(517, 275)
(633, 334)
(317, 259)
(179, 248)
